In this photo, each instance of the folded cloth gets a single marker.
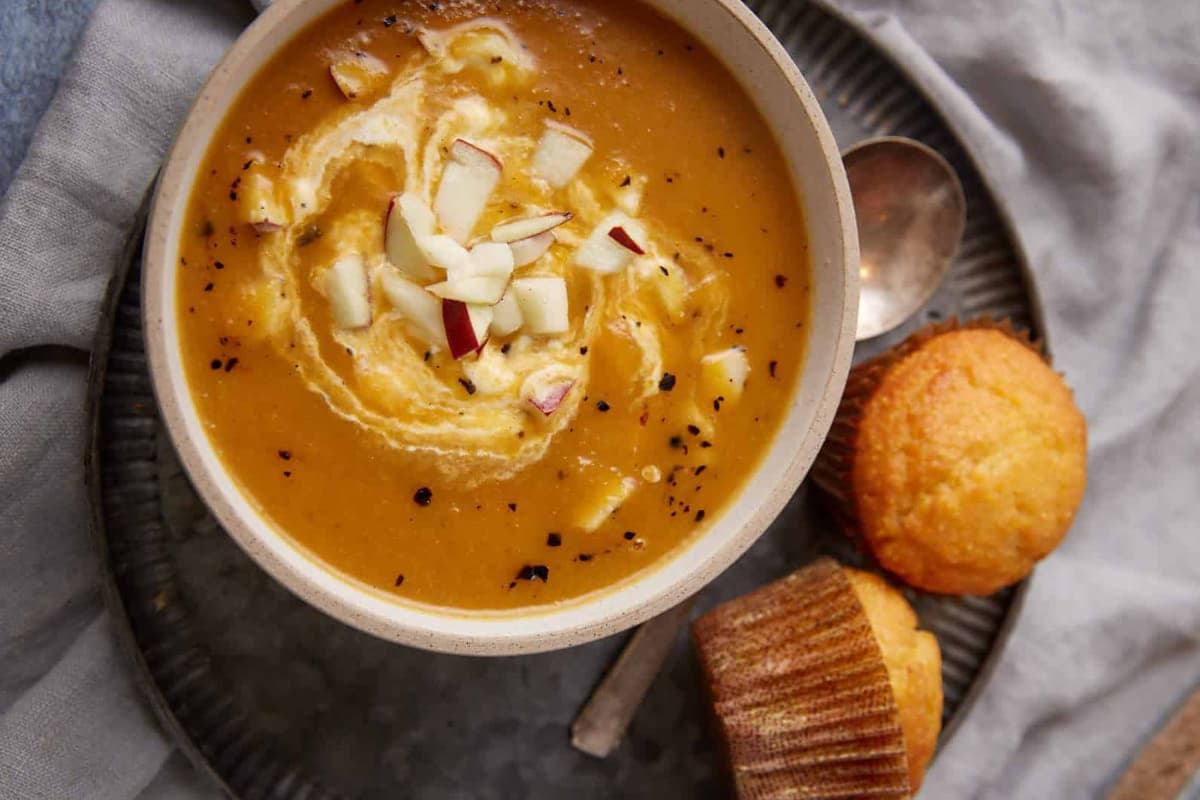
(1086, 117)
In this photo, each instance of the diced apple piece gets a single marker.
(419, 308)
(543, 304)
(560, 154)
(670, 284)
(506, 315)
(442, 251)
(629, 196)
(481, 290)
(546, 389)
(724, 373)
(613, 491)
(512, 230)
(605, 253)
(468, 180)
(527, 251)
(358, 75)
(491, 259)
(260, 204)
(466, 326)
(407, 219)
(348, 293)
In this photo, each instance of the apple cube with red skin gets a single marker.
(408, 219)
(547, 397)
(466, 326)
(611, 244)
(469, 177)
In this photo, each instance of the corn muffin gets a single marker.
(914, 666)
(960, 458)
(812, 691)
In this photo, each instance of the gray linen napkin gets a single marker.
(1085, 114)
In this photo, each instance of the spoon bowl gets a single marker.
(911, 214)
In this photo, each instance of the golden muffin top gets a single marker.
(914, 667)
(970, 461)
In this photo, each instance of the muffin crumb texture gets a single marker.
(970, 462)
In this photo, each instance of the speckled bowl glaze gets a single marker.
(766, 72)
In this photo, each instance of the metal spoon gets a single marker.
(911, 214)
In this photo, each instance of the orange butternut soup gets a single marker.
(491, 305)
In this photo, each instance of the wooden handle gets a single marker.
(1168, 761)
(601, 723)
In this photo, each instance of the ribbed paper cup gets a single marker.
(833, 470)
(800, 694)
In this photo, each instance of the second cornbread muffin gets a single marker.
(960, 457)
(914, 666)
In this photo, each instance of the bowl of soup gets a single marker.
(499, 328)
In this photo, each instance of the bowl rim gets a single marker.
(444, 630)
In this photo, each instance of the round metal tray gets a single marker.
(273, 699)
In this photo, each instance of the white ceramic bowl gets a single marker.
(767, 73)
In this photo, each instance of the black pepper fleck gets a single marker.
(602, 406)
(771, 367)
(585, 557)
(307, 93)
(781, 281)
(534, 572)
(216, 363)
(389, 21)
(231, 363)
(630, 535)
(423, 496)
(399, 579)
(286, 455)
(663, 270)
(720, 152)
(699, 470)
(667, 383)
(553, 540)
(287, 473)
(626, 182)
(309, 235)
(675, 442)
(583, 351)
(208, 287)
(512, 506)
(700, 515)
(706, 444)
(506, 347)
(468, 385)
(693, 430)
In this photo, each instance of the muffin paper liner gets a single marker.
(834, 466)
(799, 692)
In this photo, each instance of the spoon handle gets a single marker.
(601, 723)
